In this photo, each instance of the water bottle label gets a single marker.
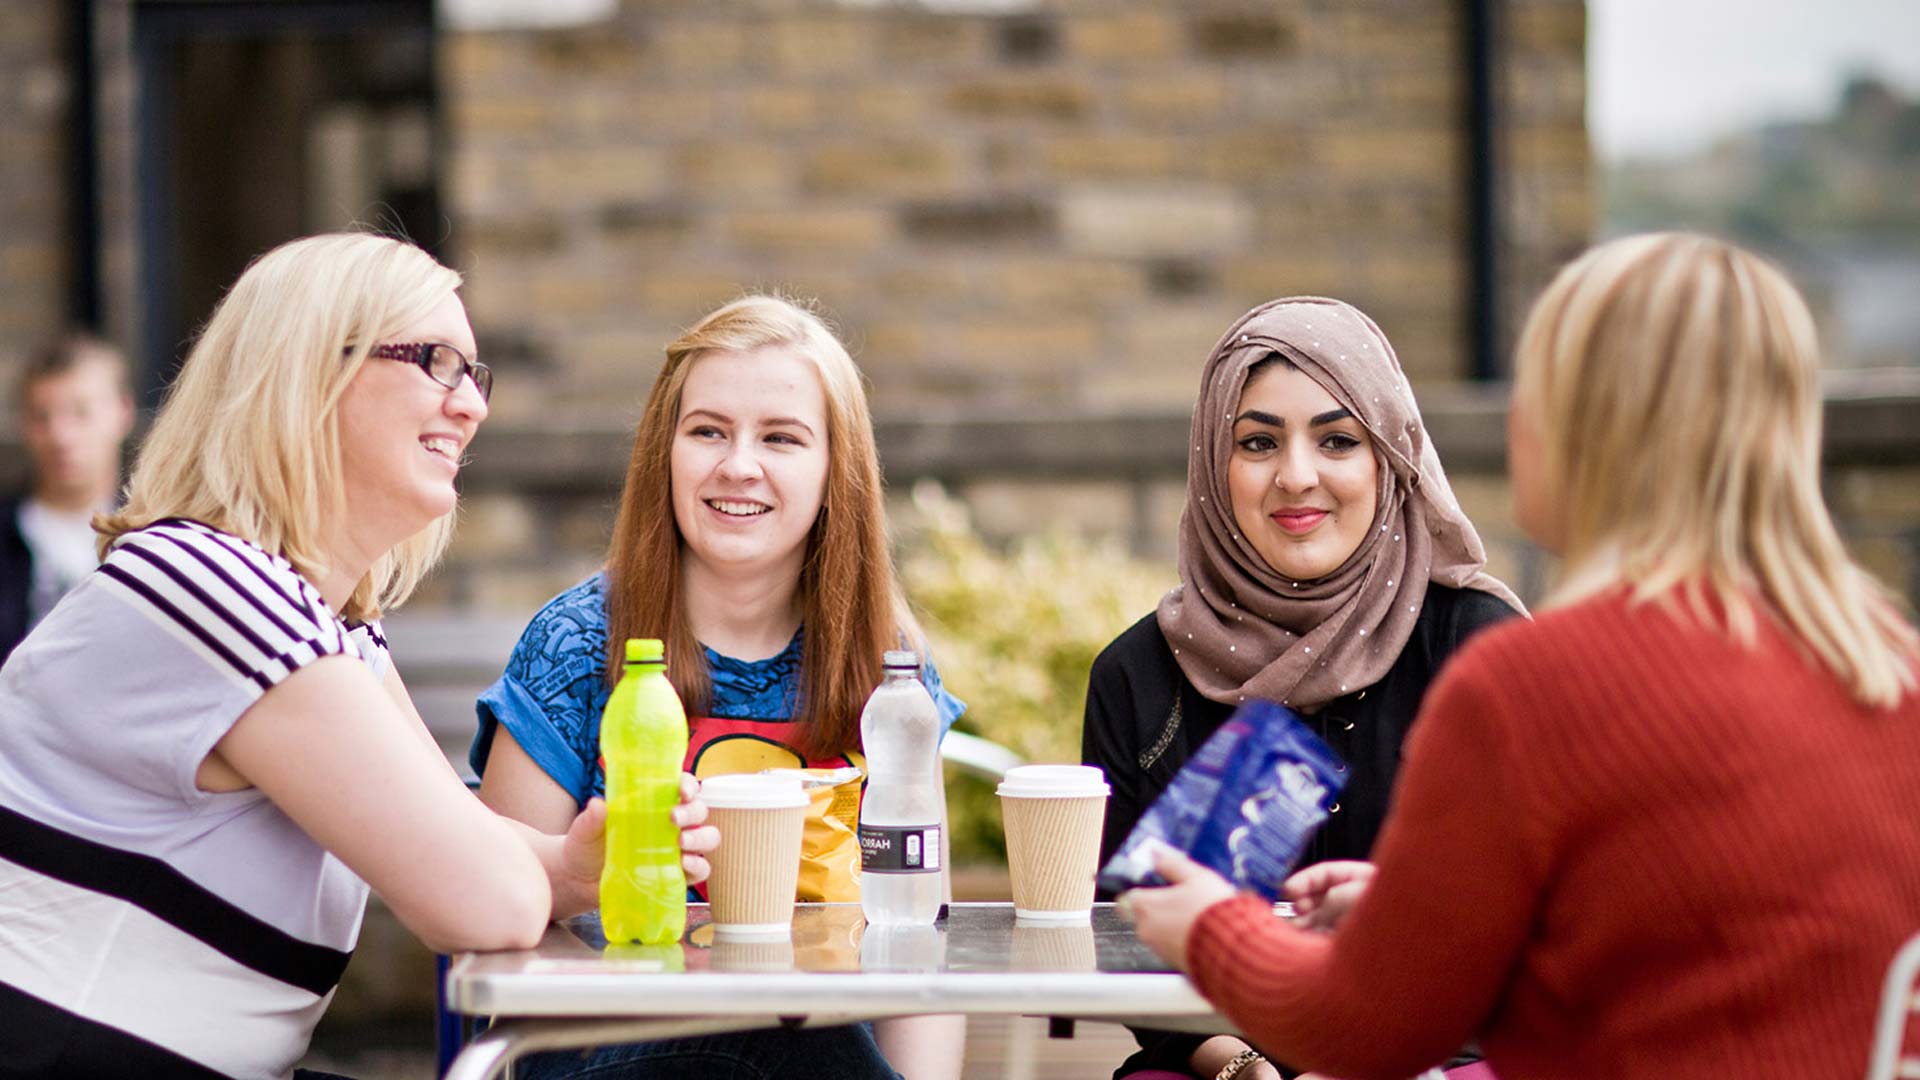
(899, 849)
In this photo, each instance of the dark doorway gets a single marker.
(263, 121)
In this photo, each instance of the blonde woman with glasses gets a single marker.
(1669, 828)
(207, 755)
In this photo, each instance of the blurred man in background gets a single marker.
(75, 411)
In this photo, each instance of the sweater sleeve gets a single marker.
(1421, 959)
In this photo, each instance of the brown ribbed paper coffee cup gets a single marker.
(1052, 815)
(1052, 847)
(756, 868)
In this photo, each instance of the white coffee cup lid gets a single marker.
(752, 791)
(1054, 781)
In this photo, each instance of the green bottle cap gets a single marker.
(646, 650)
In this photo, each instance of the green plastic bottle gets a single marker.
(643, 740)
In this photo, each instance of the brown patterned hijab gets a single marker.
(1241, 630)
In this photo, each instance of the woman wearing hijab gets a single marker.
(1668, 829)
(1324, 564)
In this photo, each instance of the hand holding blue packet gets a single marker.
(1243, 805)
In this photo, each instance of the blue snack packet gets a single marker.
(1243, 805)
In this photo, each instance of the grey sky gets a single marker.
(1666, 76)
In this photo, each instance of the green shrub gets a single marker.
(1014, 633)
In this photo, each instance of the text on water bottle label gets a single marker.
(899, 849)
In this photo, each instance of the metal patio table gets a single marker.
(574, 991)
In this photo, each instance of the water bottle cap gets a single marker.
(646, 650)
(901, 658)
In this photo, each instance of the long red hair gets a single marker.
(851, 606)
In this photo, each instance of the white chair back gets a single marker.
(1899, 1000)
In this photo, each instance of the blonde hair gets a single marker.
(851, 606)
(1674, 383)
(247, 440)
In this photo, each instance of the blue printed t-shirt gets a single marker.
(555, 687)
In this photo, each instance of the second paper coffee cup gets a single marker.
(1053, 815)
(756, 868)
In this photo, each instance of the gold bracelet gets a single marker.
(1238, 1062)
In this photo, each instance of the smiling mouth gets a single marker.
(1299, 521)
(442, 446)
(738, 508)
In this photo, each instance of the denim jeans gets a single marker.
(769, 1054)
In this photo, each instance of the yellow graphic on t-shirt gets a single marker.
(830, 846)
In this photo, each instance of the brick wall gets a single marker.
(34, 92)
(1059, 208)
(1048, 213)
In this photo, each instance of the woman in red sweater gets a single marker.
(1672, 827)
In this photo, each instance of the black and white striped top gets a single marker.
(148, 928)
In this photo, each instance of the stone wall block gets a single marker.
(942, 283)
(1054, 283)
(891, 167)
(892, 344)
(1252, 156)
(1159, 368)
(1244, 35)
(1377, 154)
(500, 117)
(645, 114)
(1551, 26)
(1114, 155)
(641, 227)
(1302, 272)
(1183, 99)
(481, 59)
(810, 47)
(885, 107)
(825, 232)
(1368, 37)
(916, 42)
(1148, 221)
(682, 296)
(1031, 344)
(1428, 269)
(567, 293)
(1052, 98)
(698, 51)
(513, 238)
(1011, 219)
(591, 54)
(1127, 38)
(1549, 149)
(723, 170)
(780, 108)
(574, 178)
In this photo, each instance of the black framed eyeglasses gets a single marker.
(443, 364)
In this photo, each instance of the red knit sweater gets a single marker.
(1622, 846)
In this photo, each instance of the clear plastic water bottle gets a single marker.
(643, 740)
(900, 813)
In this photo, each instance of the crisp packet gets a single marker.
(1244, 804)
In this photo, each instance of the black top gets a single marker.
(16, 577)
(1144, 719)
